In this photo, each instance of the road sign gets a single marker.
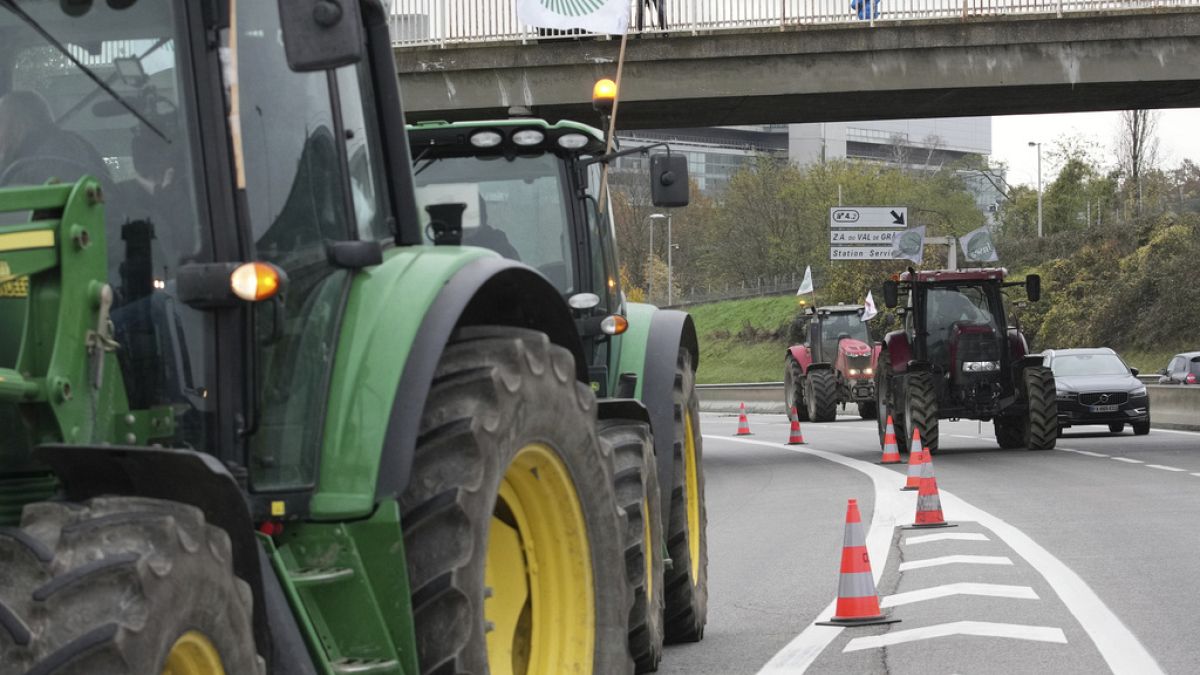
(861, 236)
(860, 252)
(868, 216)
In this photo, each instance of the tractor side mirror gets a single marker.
(669, 180)
(1033, 287)
(321, 34)
(891, 294)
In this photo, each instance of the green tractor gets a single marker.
(253, 420)
(531, 191)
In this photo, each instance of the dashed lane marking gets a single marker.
(1164, 468)
(946, 536)
(955, 560)
(1089, 453)
(1197, 475)
(1120, 649)
(1129, 460)
(965, 588)
(977, 628)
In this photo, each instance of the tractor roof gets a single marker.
(977, 274)
(457, 134)
(836, 309)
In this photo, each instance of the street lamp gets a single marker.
(650, 267)
(1038, 145)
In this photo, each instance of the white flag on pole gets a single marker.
(806, 286)
(596, 16)
(869, 310)
(977, 245)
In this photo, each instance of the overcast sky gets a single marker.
(1178, 139)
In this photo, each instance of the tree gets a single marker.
(1137, 147)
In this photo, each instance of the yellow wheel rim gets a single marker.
(193, 654)
(541, 610)
(692, 478)
(647, 542)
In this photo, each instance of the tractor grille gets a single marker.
(859, 363)
(1104, 398)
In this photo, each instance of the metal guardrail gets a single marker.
(1171, 406)
(444, 23)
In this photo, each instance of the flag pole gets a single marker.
(612, 123)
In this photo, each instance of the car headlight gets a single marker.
(1066, 395)
(980, 366)
(1141, 391)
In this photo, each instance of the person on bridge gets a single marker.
(866, 9)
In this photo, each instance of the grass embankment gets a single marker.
(743, 340)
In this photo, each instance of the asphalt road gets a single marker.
(1083, 559)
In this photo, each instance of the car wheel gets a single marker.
(1141, 428)
(1117, 427)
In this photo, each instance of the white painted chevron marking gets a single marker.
(956, 559)
(959, 536)
(966, 588)
(977, 628)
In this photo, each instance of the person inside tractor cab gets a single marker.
(486, 236)
(946, 307)
(33, 148)
(841, 325)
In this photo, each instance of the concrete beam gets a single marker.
(1144, 59)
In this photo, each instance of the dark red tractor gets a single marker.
(957, 358)
(835, 365)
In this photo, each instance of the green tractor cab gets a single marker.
(531, 191)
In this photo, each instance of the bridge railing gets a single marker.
(423, 23)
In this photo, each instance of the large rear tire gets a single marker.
(636, 481)
(793, 389)
(821, 395)
(513, 536)
(885, 404)
(121, 585)
(1042, 397)
(687, 539)
(921, 409)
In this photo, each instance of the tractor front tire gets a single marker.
(867, 410)
(121, 586)
(1042, 397)
(1010, 432)
(821, 395)
(513, 535)
(793, 390)
(636, 481)
(885, 407)
(687, 538)
(921, 409)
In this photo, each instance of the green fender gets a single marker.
(649, 348)
(399, 316)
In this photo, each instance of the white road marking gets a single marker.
(1089, 453)
(978, 628)
(1129, 460)
(947, 590)
(944, 536)
(1197, 475)
(972, 438)
(1120, 649)
(1164, 468)
(955, 559)
(1176, 431)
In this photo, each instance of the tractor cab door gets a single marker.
(813, 340)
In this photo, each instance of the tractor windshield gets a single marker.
(837, 326)
(97, 88)
(515, 206)
(950, 306)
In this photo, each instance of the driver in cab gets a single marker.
(33, 148)
(947, 307)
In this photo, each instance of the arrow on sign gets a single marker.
(898, 218)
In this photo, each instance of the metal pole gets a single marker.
(650, 266)
(1039, 150)
(670, 284)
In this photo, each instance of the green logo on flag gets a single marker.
(572, 7)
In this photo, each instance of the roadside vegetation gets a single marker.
(1120, 255)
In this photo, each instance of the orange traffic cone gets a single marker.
(795, 437)
(891, 451)
(857, 601)
(743, 423)
(929, 504)
(916, 457)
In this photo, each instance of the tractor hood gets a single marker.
(852, 347)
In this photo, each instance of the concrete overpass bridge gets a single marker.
(725, 62)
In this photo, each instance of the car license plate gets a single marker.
(1103, 408)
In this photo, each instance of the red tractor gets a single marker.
(957, 358)
(833, 366)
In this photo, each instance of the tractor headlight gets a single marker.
(1139, 392)
(854, 371)
(486, 139)
(572, 141)
(980, 366)
(868, 371)
(528, 137)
